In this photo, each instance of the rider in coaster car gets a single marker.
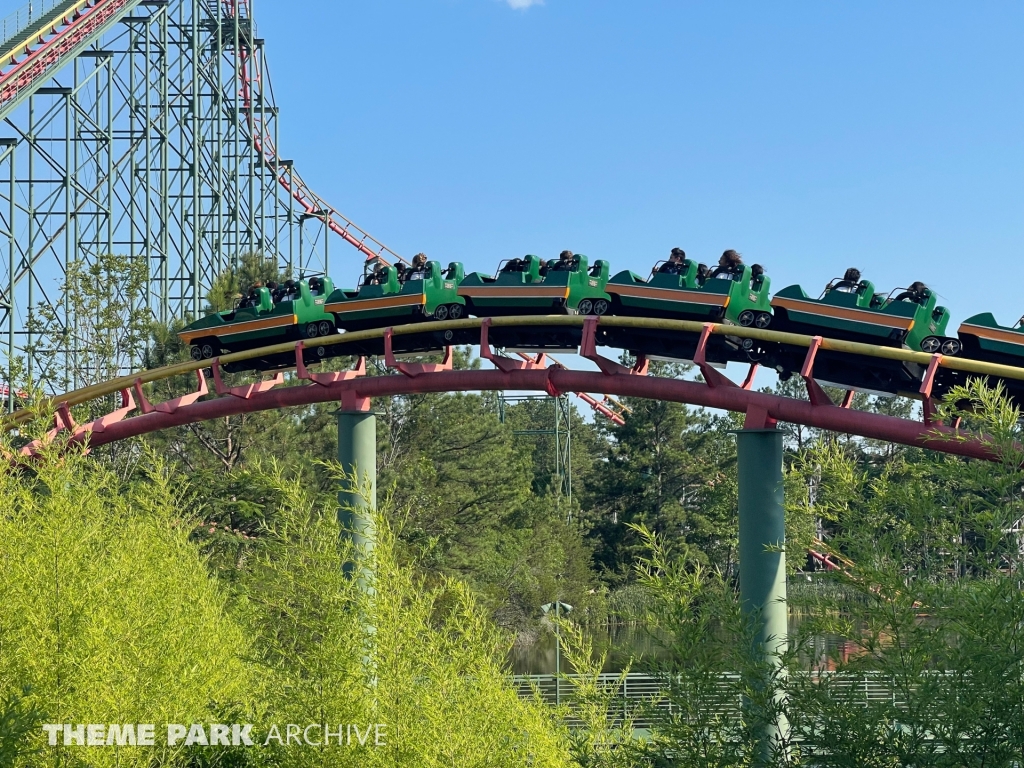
(418, 270)
(316, 285)
(275, 291)
(730, 267)
(252, 299)
(756, 276)
(287, 291)
(702, 273)
(674, 265)
(850, 282)
(513, 265)
(917, 293)
(378, 276)
(566, 262)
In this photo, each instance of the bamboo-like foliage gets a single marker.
(424, 662)
(108, 614)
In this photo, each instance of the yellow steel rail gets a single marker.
(94, 391)
(42, 24)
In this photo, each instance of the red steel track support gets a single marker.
(412, 370)
(171, 406)
(928, 408)
(246, 390)
(815, 393)
(588, 349)
(757, 405)
(711, 376)
(326, 379)
(502, 363)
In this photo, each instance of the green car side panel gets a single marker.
(580, 283)
(998, 346)
(928, 319)
(306, 308)
(434, 288)
(740, 293)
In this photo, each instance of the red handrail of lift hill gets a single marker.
(39, 62)
(311, 203)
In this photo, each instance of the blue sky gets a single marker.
(810, 136)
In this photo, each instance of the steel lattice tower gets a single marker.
(145, 129)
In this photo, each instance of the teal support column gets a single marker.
(762, 534)
(357, 454)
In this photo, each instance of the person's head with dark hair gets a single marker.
(702, 272)
(730, 258)
(289, 285)
(852, 274)
(419, 261)
(677, 255)
(916, 292)
(271, 285)
(566, 256)
(756, 270)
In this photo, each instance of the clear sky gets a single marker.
(810, 136)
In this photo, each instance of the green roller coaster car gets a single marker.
(519, 288)
(683, 296)
(743, 301)
(250, 327)
(854, 312)
(860, 315)
(428, 295)
(980, 337)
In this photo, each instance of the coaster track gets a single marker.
(354, 389)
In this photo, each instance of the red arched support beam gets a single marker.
(758, 406)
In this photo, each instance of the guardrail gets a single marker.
(638, 691)
(15, 23)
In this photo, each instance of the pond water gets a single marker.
(623, 641)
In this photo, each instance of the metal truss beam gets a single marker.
(156, 142)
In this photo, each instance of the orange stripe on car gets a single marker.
(233, 329)
(669, 294)
(844, 313)
(997, 334)
(505, 292)
(383, 302)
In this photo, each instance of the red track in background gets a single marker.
(311, 203)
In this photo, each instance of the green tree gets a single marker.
(228, 286)
(670, 468)
(99, 328)
(465, 506)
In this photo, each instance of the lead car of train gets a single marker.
(683, 290)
